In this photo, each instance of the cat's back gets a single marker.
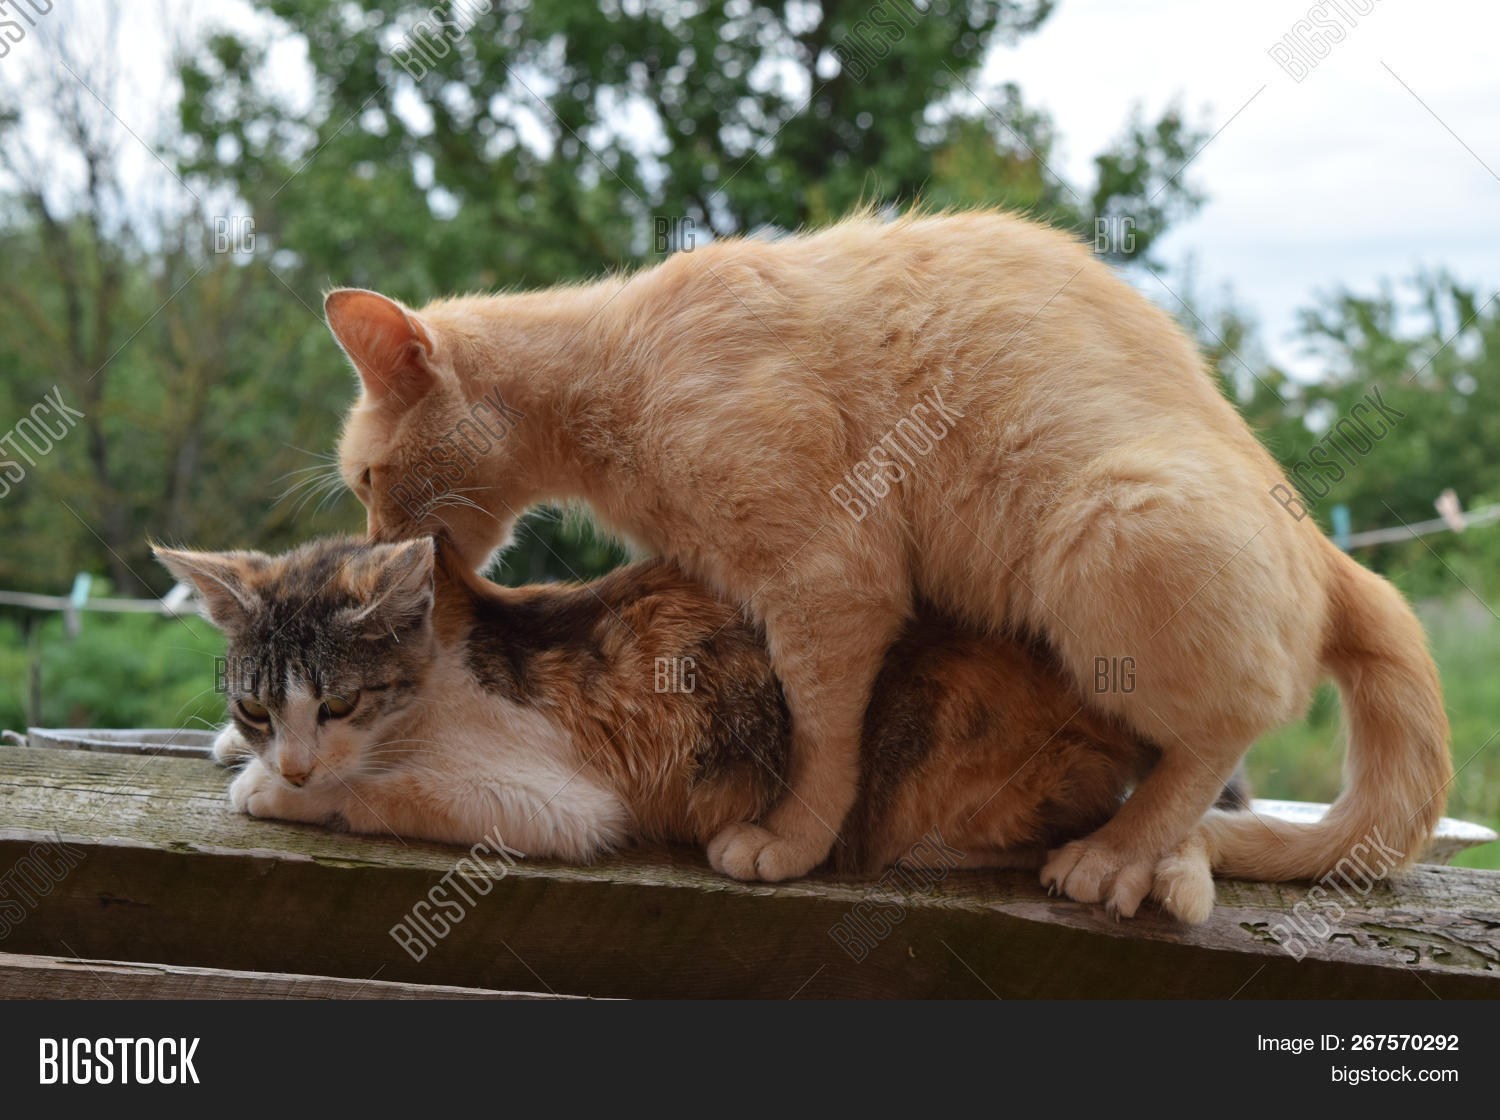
(509, 635)
(990, 306)
(869, 249)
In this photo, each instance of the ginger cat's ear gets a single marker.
(221, 580)
(390, 347)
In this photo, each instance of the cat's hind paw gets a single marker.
(1087, 871)
(1184, 883)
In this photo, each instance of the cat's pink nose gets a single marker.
(296, 777)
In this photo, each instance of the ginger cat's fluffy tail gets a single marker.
(1397, 768)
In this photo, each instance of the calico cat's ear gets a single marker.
(221, 580)
(390, 347)
(400, 598)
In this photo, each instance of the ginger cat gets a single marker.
(969, 410)
(388, 689)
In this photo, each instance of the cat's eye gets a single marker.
(337, 707)
(254, 710)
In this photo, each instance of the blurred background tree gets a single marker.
(538, 143)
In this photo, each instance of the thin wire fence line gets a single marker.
(181, 601)
(170, 605)
(1410, 531)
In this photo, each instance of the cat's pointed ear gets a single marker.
(220, 579)
(401, 598)
(390, 347)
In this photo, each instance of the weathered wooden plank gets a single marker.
(184, 742)
(1451, 836)
(32, 977)
(171, 874)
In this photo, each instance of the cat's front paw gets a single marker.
(747, 851)
(257, 792)
(252, 790)
(230, 747)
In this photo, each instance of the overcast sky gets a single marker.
(1342, 178)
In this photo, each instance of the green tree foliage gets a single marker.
(517, 145)
(1432, 357)
(119, 671)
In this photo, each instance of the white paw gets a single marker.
(251, 787)
(257, 792)
(230, 748)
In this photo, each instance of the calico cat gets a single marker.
(388, 688)
(967, 410)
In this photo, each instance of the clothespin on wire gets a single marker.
(1451, 510)
(173, 601)
(1340, 518)
(73, 612)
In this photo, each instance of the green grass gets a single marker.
(1303, 762)
(119, 671)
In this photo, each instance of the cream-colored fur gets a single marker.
(1090, 485)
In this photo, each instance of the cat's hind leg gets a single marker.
(1212, 600)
